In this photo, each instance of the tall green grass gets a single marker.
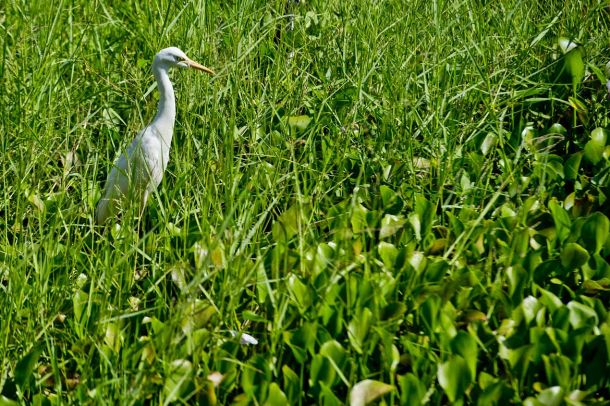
(327, 193)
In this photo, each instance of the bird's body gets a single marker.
(139, 170)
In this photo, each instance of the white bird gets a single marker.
(139, 170)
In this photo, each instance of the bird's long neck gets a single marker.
(166, 111)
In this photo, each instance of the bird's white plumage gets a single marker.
(139, 170)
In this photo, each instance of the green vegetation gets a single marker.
(403, 201)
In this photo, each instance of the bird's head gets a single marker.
(173, 56)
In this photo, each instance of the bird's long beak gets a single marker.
(195, 65)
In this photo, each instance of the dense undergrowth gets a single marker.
(403, 202)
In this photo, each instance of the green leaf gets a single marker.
(334, 351)
(581, 316)
(573, 256)
(594, 231)
(299, 122)
(561, 219)
(572, 165)
(488, 143)
(465, 345)
(599, 136)
(552, 396)
(388, 253)
(25, 368)
(289, 223)
(300, 292)
(358, 219)
(390, 224)
(358, 329)
(276, 396)
(454, 377)
(364, 392)
(292, 384)
(412, 390)
(321, 371)
(178, 380)
(594, 152)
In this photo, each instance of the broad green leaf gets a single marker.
(299, 122)
(581, 315)
(4, 401)
(289, 223)
(390, 224)
(358, 329)
(594, 231)
(465, 345)
(276, 396)
(558, 369)
(177, 380)
(321, 371)
(557, 129)
(599, 136)
(488, 143)
(25, 368)
(454, 377)
(300, 292)
(365, 392)
(334, 351)
(292, 384)
(429, 312)
(561, 220)
(412, 390)
(552, 396)
(573, 256)
(572, 166)
(594, 152)
(388, 253)
(358, 219)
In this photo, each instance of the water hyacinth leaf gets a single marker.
(488, 143)
(334, 351)
(594, 152)
(561, 219)
(299, 122)
(178, 380)
(412, 390)
(368, 390)
(573, 61)
(599, 136)
(581, 315)
(358, 329)
(388, 253)
(300, 292)
(454, 377)
(292, 384)
(558, 369)
(276, 396)
(425, 212)
(25, 367)
(392, 203)
(358, 219)
(552, 396)
(289, 223)
(429, 312)
(465, 345)
(594, 232)
(390, 224)
(573, 256)
(321, 371)
(327, 396)
(572, 166)
(558, 129)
